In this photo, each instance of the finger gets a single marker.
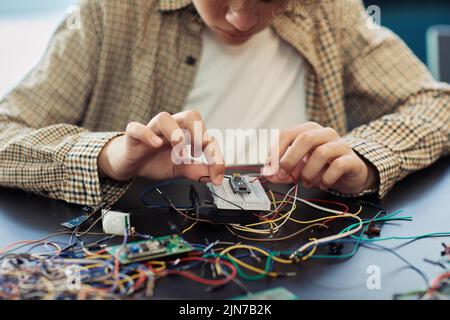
(192, 171)
(321, 157)
(292, 178)
(144, 134)
(165, 125)
(305, 143)
(192, 121)
(338, 168)
(287, 137)
(317, 181)
(214, 157)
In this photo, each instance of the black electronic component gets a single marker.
(335, 248)
(238, 184)
(206, 209)
(446, 251)
(372, 230)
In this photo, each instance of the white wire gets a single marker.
(318, 206)
(330, 238)
(309, 203)
(277, 226)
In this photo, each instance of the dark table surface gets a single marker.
(423, 195)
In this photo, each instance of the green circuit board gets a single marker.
(156, 248)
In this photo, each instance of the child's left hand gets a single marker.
(320, 158)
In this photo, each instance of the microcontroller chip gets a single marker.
(238, 184)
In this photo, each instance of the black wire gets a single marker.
(230, 202)
(410, 265)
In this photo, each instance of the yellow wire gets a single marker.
(274, 220)
(248, 247)
(311, 253)
(133, 277)
(346, 215)
(162, 265)
(93, 255)
(250, 267)
(92, 266)
(189, 228)
(272, 223)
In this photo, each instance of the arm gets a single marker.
(41, 148)
(406, 111)
(400, 116)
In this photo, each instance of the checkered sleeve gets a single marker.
(42, 148)
(401, 115)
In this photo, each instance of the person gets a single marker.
(111, 98)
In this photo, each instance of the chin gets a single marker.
(234, 41)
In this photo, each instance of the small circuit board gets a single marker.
(75, 222)
(238, 184)
(156, 248)
(251, 195)
(88, 213)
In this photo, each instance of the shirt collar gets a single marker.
(171, 5)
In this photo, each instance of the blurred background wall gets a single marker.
(26, 27)
(410, 19)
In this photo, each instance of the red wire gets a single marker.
(435, 284)
(208, 282)
(343, 205)
(101, 251)
(141, 279)
(279, 209)
(20, 242)
(116, 265)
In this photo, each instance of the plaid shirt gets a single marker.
(132, 59)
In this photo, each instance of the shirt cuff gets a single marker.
(82, 183)
(382, 158)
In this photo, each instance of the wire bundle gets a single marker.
(76, 269)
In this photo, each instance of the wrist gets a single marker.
(104, 165)
(372, 176)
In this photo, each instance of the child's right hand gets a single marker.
(146, 150)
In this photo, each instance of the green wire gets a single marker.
(388, 218)
(427, 235)
(360, 238)
(239, 270)
(376, 219)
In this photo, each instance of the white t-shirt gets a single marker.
(257, 85)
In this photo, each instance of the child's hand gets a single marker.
(320, 158)
(148, 150)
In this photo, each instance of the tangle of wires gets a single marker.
(66, 265)
(270, 228)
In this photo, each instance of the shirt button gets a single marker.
(190, 60)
